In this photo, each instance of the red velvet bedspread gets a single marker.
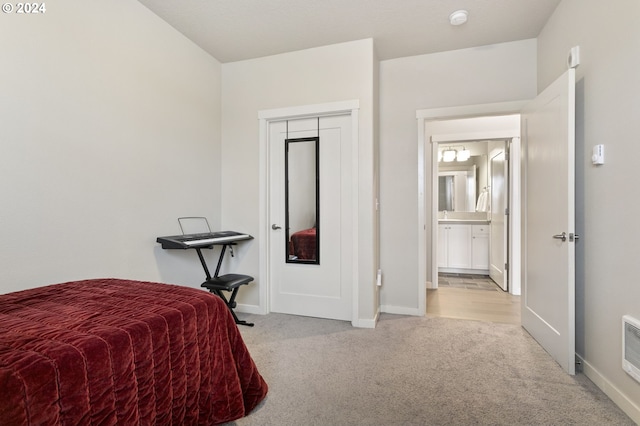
(304, 244)
(119, 352)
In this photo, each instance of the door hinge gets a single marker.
(506, 266)
(506, 211)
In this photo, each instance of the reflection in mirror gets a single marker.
(302, 207)
(445, 193)
(461, 184)
(457, 190)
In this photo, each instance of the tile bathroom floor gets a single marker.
(467, 281)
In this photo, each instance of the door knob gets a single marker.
(275, 227)
(562, 236)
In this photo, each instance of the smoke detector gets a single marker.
(458, 17)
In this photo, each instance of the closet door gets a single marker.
(320, 284)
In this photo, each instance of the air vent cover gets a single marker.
(631, 346)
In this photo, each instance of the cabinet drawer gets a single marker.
(480, 230)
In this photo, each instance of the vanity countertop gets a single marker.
(464, 221)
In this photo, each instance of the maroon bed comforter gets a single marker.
(304, 244)
(119, 352)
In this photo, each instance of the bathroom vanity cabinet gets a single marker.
(480, 247)
(463, 247)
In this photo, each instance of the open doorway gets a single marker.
(473, 232)
(463, 207)
(438, 128)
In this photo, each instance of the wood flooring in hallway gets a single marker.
(472, 297)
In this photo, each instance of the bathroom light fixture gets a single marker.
(463, 155)
(458, 17)
(449, 155)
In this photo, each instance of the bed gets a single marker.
(122, 352)
(303, 244)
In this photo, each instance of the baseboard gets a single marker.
(257, 310)
(367, 323)
(401, 310)
(619, 398)
(464, 271)
(249, 309)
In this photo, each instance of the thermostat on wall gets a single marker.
(598, 155)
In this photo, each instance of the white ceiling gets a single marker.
(233, 30)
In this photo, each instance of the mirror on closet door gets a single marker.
(302, 201)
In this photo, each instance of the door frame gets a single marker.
(265, 117)
(514, 241)
(426, 216)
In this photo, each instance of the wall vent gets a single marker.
(631, 346)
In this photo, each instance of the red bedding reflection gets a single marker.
(304, 244)
(120, 352)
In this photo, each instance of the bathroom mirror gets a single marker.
(457, 190)
(302, 202)
(461, 183)
(446, 193)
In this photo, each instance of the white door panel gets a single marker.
(499, 196)
(320, 290)
(548, 303)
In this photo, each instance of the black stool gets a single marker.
(231, 283)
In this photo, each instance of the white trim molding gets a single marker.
(367, 323)
(249, 309)
(466, 111)
(350, 107)
(402, 310)
(317, 110)
(430, 143)
(615, 394)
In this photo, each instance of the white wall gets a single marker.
(607, 110)
(110, 131)
(497, 73)
(327, 74)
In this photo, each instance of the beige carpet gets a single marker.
(414, 371)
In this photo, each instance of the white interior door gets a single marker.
(499, 193)
(321, 288)
(548, 302)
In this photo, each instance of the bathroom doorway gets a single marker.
(472, 232)
(489, 223)
(472, 199)
(462, 124)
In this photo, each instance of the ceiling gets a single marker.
(234, 30)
